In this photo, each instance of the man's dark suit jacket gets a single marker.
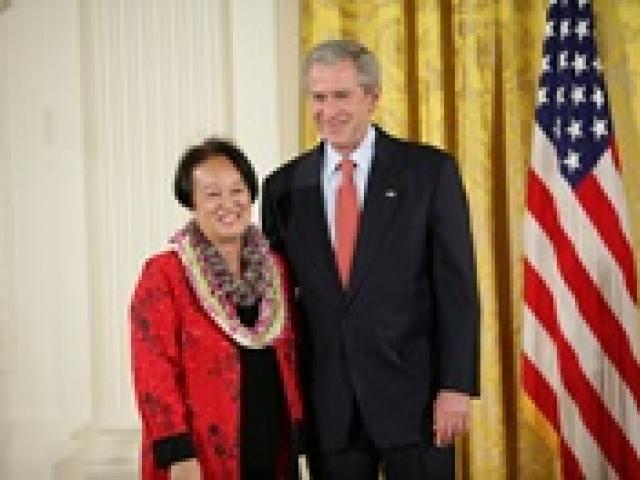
(407, 326)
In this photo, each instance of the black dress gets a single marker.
(262, 406)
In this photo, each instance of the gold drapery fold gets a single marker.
(462, 74)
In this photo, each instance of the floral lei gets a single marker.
(218, 291)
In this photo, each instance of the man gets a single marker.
(376, 232)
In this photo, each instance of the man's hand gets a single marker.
(450, 416)
(187, 470)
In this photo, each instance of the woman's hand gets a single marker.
(187, 470)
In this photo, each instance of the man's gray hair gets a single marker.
(331, 52)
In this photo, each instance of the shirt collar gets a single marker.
(362, 156)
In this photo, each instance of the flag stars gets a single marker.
(571, 102)
(582, 29)
(578, 94)
(598, 97)
(599, 128)
(565, 25)
(560, 96)
(563, 62)
(575, 129)
(572, 161)
(549, 29)
(579, 63)
(557, 129)
(597, 64)
(542, 96)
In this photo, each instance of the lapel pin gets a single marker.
(390, 193)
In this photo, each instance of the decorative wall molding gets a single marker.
(101, 455)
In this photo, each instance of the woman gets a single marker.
(212, 342)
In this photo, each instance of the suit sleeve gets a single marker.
(156, 368)
(270, 226)
(457, 305)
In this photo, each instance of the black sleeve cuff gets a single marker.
(174, 449)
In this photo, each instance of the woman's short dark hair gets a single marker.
(197, 154)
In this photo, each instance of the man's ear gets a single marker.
(374, 92)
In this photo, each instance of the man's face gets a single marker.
(341, 108)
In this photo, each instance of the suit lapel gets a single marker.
(308, 198)
(383, 197)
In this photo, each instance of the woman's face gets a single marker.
(221, 200)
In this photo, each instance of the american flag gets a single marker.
(580, 359)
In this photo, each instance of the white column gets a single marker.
(154, 83)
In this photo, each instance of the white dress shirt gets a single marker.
(362, 157)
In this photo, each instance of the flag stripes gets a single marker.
(601, 213)
(589, 299)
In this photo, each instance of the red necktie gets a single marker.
(347, 219)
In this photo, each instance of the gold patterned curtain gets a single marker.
(462, 74)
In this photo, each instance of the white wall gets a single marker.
(97, 100)
(46, 326)
(7, 335)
